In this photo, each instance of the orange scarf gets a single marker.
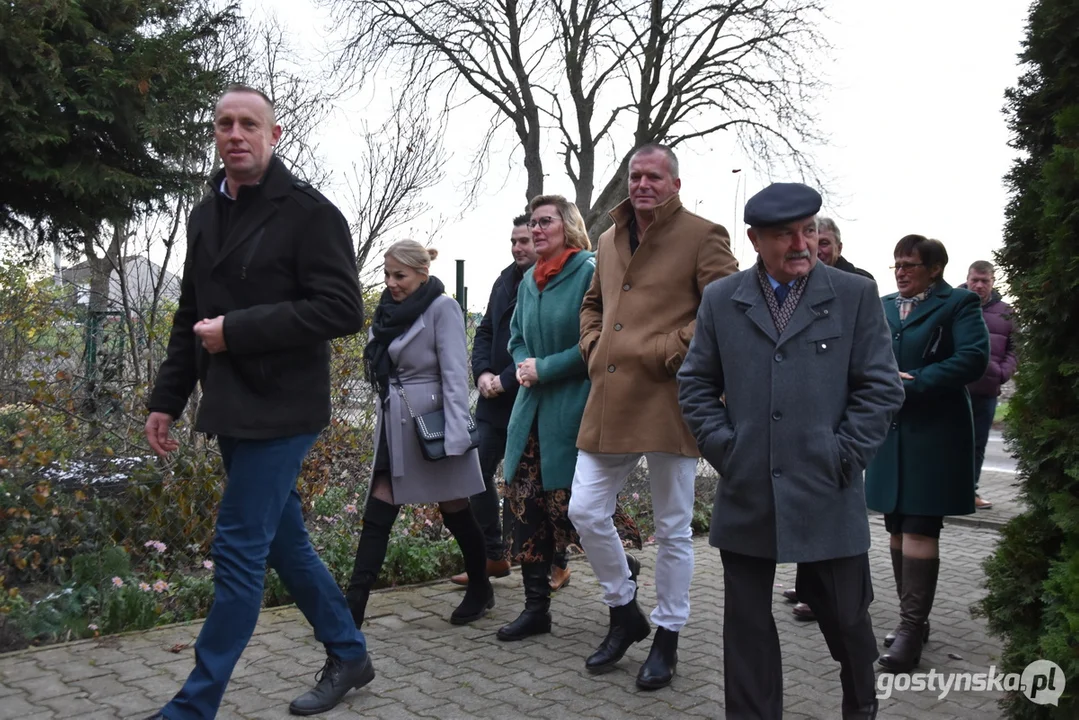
(547, 269)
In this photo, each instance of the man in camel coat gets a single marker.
(637, 320)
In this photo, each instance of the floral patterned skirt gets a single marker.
(541, 527)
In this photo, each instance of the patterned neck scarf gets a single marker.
(906, 305)
(781, 314)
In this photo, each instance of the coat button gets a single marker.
(776, 473)
(779, 357)
(617, 326)
(895, 426)
(824, 346)
(610, 368)
(777, 415)
(897, 336)
(825, 312)
(626, 286)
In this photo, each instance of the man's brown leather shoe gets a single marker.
(559, 578)
(495, 569)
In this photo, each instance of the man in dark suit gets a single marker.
(830, 247)
(791, 456)
(495, 374)
(270, 277)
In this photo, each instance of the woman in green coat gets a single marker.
(544, 334)
(925, 468)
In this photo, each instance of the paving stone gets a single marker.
(429, 668)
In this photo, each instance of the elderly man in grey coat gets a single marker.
(789, 387)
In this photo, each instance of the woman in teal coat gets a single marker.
(925, 468)
(544, 334)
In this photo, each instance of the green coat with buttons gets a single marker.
(546, 326)
(926, 464)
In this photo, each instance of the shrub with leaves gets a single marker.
(1033, 578)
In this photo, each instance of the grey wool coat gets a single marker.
(432, 364)
(803, 413)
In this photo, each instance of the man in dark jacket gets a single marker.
(270, 277)
(830, 249)
(495, 374)
(1002, 362)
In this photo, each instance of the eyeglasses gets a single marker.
(544, 222)
(906, 266)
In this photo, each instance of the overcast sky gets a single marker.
(918, 141)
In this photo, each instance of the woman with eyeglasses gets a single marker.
(541, 440)
(925, 468)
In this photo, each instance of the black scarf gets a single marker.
(391, 321)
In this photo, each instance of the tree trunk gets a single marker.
(597, 218)
(101, 268)
(534, 165)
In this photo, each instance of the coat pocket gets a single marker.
(667, 361)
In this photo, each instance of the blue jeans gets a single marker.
(984, 408)
(260, 522)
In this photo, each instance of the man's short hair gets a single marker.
(931, 252)
(672, 159)
(241, 88)
(521, 219)
(982, 266)
(827, 224)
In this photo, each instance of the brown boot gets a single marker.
(559, 578)
(919, 589)
(897, 571)
(495, 569)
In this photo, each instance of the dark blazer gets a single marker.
(847, 266)
(490, 349)
(285, 279)
(926, 465)
(803, 414)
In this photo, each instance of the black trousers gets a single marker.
(485, 505)
(984, 408)
(839, 591)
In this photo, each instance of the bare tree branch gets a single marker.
(404, 158)
(689, 69)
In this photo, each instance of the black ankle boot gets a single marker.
(536, 617)
(335, 679)
(628, 625)
(479, 596)
(919, 590)
(658, 670)
(378, 519)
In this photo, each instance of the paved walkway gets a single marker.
(430, 669)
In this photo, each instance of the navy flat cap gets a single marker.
(780, 203)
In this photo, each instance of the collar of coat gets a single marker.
(941, 291)
(811, 309)
(575, 263)
(623, 212)
(276, 182)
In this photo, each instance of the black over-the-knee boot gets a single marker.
(480, 596)
(378, 519)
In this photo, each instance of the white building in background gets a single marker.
(141, 274)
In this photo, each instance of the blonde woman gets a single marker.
(416, 346)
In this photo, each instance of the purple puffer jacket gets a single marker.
(1002, 359)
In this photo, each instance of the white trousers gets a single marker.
(598, 479)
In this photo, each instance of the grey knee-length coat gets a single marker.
(431, 359)
(802, 413)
